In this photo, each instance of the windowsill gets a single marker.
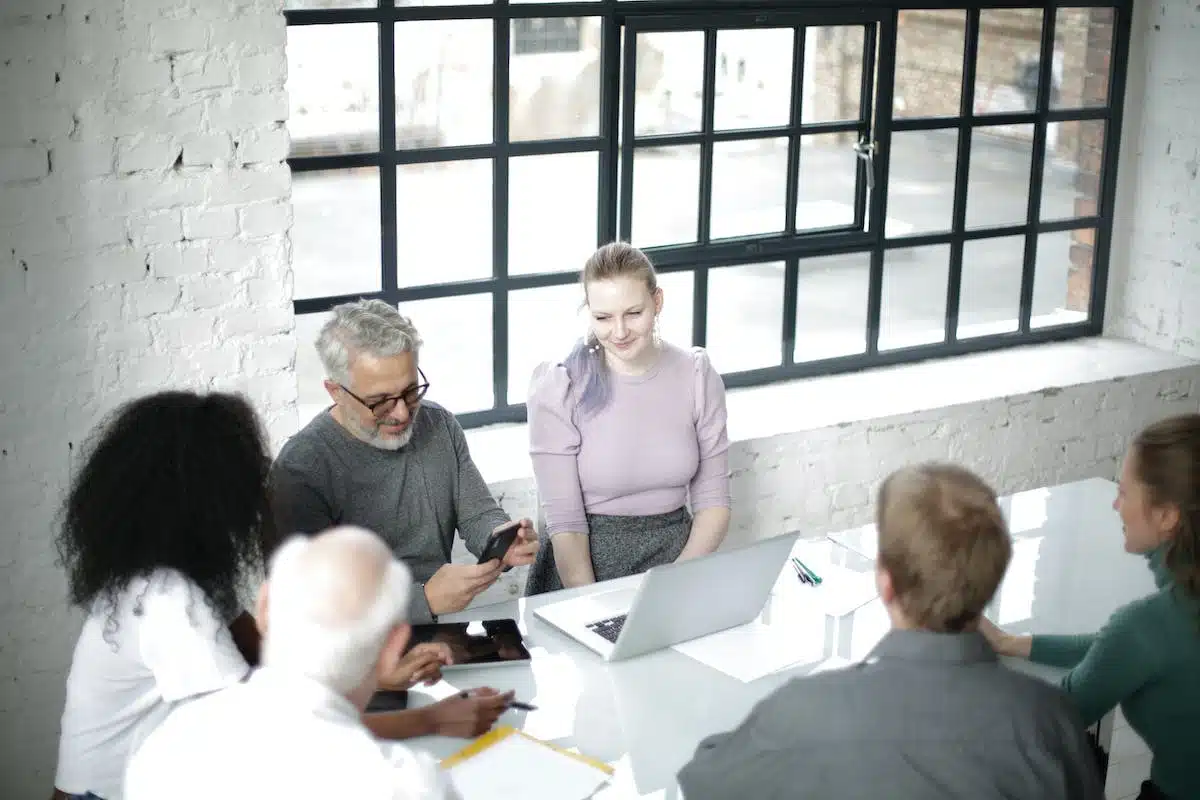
(502, 451)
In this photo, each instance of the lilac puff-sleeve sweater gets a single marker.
(660, 443)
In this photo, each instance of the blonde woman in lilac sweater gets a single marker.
(628, 438)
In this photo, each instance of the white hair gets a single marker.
(364, 326)
(329, 618)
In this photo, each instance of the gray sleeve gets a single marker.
(476, 511)
(298, 505)
(418, 605)
(753, 760)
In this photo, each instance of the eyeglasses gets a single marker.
(381, 408)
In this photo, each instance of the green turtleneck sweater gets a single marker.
(1147, 660)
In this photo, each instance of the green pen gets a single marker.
(815, 577)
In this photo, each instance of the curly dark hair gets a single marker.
(173, 480)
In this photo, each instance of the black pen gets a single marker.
(517, 704)
(802, 575)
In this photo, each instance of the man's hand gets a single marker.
(524, 548)
(470, 716)
(454, 586)
(422, 664)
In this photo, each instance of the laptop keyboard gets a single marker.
(609, 628)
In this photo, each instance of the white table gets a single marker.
(646, 716)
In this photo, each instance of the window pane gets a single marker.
(1062, 278)
(913, 310)
(990, 293)
(333, 89)
(551, 212)
(444, 222)
(543, 325)
(1006, 68)
(828, 175)
(1083, 50)
(675, 321)
(921, 182)
(310, 375)
(745, 316)
(336, 232)
(670, 82)
(831, 306)
(1071, 179)
(749, 187)
(754, 78)
(443, 83)
(833, 66)
(998, 185)
(929, 58)
(666, 195)
(554, 80)
(296, 5)
(456, 355)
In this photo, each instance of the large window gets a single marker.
(822, 189)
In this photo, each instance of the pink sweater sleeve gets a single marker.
(554, 449)
(710, 486)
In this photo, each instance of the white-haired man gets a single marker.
(333, 609)
(384, 458)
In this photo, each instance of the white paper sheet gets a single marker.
(750, 651)
(841, 590)
(518, 766)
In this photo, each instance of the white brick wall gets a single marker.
(144, 210)
(1154, 285)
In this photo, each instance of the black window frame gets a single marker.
(613, 145)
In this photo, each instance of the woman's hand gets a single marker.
(1004, 644)
(422, 664)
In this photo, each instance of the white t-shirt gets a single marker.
(164, 646)
(277, 735)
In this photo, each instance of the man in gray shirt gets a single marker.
(931, 713)
(384, 459)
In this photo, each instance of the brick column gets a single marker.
(1089, 140)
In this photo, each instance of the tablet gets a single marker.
(492, 643)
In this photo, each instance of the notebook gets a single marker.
(506, 763)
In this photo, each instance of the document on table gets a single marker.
(506, 763)
(750, 651)
(841, 591)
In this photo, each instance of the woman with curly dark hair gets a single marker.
(163, 521)
(167, 517)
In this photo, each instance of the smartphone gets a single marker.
(499, 542)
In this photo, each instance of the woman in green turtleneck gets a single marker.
(1147, 657)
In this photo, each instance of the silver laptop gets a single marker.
(675, 602)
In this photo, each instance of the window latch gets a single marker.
(865, 150)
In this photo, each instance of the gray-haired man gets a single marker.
(384, 459)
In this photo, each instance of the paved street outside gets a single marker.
(445, 233)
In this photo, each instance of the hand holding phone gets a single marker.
(498, 543)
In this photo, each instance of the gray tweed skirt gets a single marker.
(620, 546)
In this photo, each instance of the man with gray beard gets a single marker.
(383, 458)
